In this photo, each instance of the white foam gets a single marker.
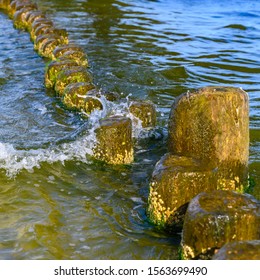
(14, 160)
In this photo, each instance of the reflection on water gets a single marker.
(101, 13)
(61, 204)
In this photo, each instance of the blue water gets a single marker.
(55, 202)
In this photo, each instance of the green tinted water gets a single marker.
(55, 202)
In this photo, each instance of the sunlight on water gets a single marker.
(56, 202)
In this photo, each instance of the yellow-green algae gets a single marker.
(19, 17)
(175, 181)
(215, 218)
(54, 68)
(4, 4)
(37, 25)
(65, 48)
(239, 250)
(41, 39)
(212, 124)
(78, 56)
(114, 141)
(144, 111)
(72, 75)
(74, 96)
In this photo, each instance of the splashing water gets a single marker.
(76, 146)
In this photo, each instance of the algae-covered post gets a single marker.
(175, 181)
(20, 16)
(40, 26)
(54, 68)
(75, 94)
(239, 250)
(212, 124)
(208, 145)
(67, 73)
(19, 5)
(144, 111)
(70, 52)
(74, 74)
(58, 52)
(4, 4)
(114, 141)
(42, 39)
(215, 218)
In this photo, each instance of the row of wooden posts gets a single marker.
(67, 73)
(197, 188)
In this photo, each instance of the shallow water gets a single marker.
(55, 201)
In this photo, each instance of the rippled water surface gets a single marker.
(55, 201)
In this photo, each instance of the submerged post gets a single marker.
(216, 218)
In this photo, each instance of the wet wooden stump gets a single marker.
(18, 5)
(175, 181)
(33, 16)
(71, 75)
(208, 144)
(4, 4)
(92, 103)
(54, 68)
(77, 56)
(49, 45)
(47, 29)
(50, 40)
(215, 218)
(212, 124)
(145, 111)
(59, 51)
(39, 26)
(76, 97)
(43, 38)
(19, 17)
(239, 250)
(114, 141)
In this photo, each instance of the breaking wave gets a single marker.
(76, 146)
